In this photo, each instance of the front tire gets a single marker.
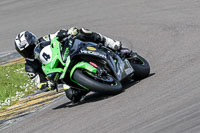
(97, 86)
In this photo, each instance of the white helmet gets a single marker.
(25, 43)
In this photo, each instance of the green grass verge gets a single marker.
(14, 84)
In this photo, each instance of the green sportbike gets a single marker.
(90, 66)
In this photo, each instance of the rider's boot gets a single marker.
(113, 44)
(117, 46)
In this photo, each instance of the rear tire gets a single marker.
(95, 85)
(141, 68)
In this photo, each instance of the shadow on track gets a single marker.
(93, 97)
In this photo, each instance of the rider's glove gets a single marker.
(43, 86)
(72, 31)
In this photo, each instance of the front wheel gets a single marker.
(92, 84)
(141, 67)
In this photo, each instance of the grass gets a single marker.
(14, 84)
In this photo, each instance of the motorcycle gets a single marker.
(89, 66)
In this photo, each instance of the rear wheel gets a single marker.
(141, 67)
(108, 84)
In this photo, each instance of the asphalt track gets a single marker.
(166, 33)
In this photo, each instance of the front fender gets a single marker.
(82, 65)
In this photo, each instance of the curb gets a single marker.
(26, 105)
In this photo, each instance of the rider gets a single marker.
(26, 41)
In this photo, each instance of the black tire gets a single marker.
(141, 68)
(96, 86)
